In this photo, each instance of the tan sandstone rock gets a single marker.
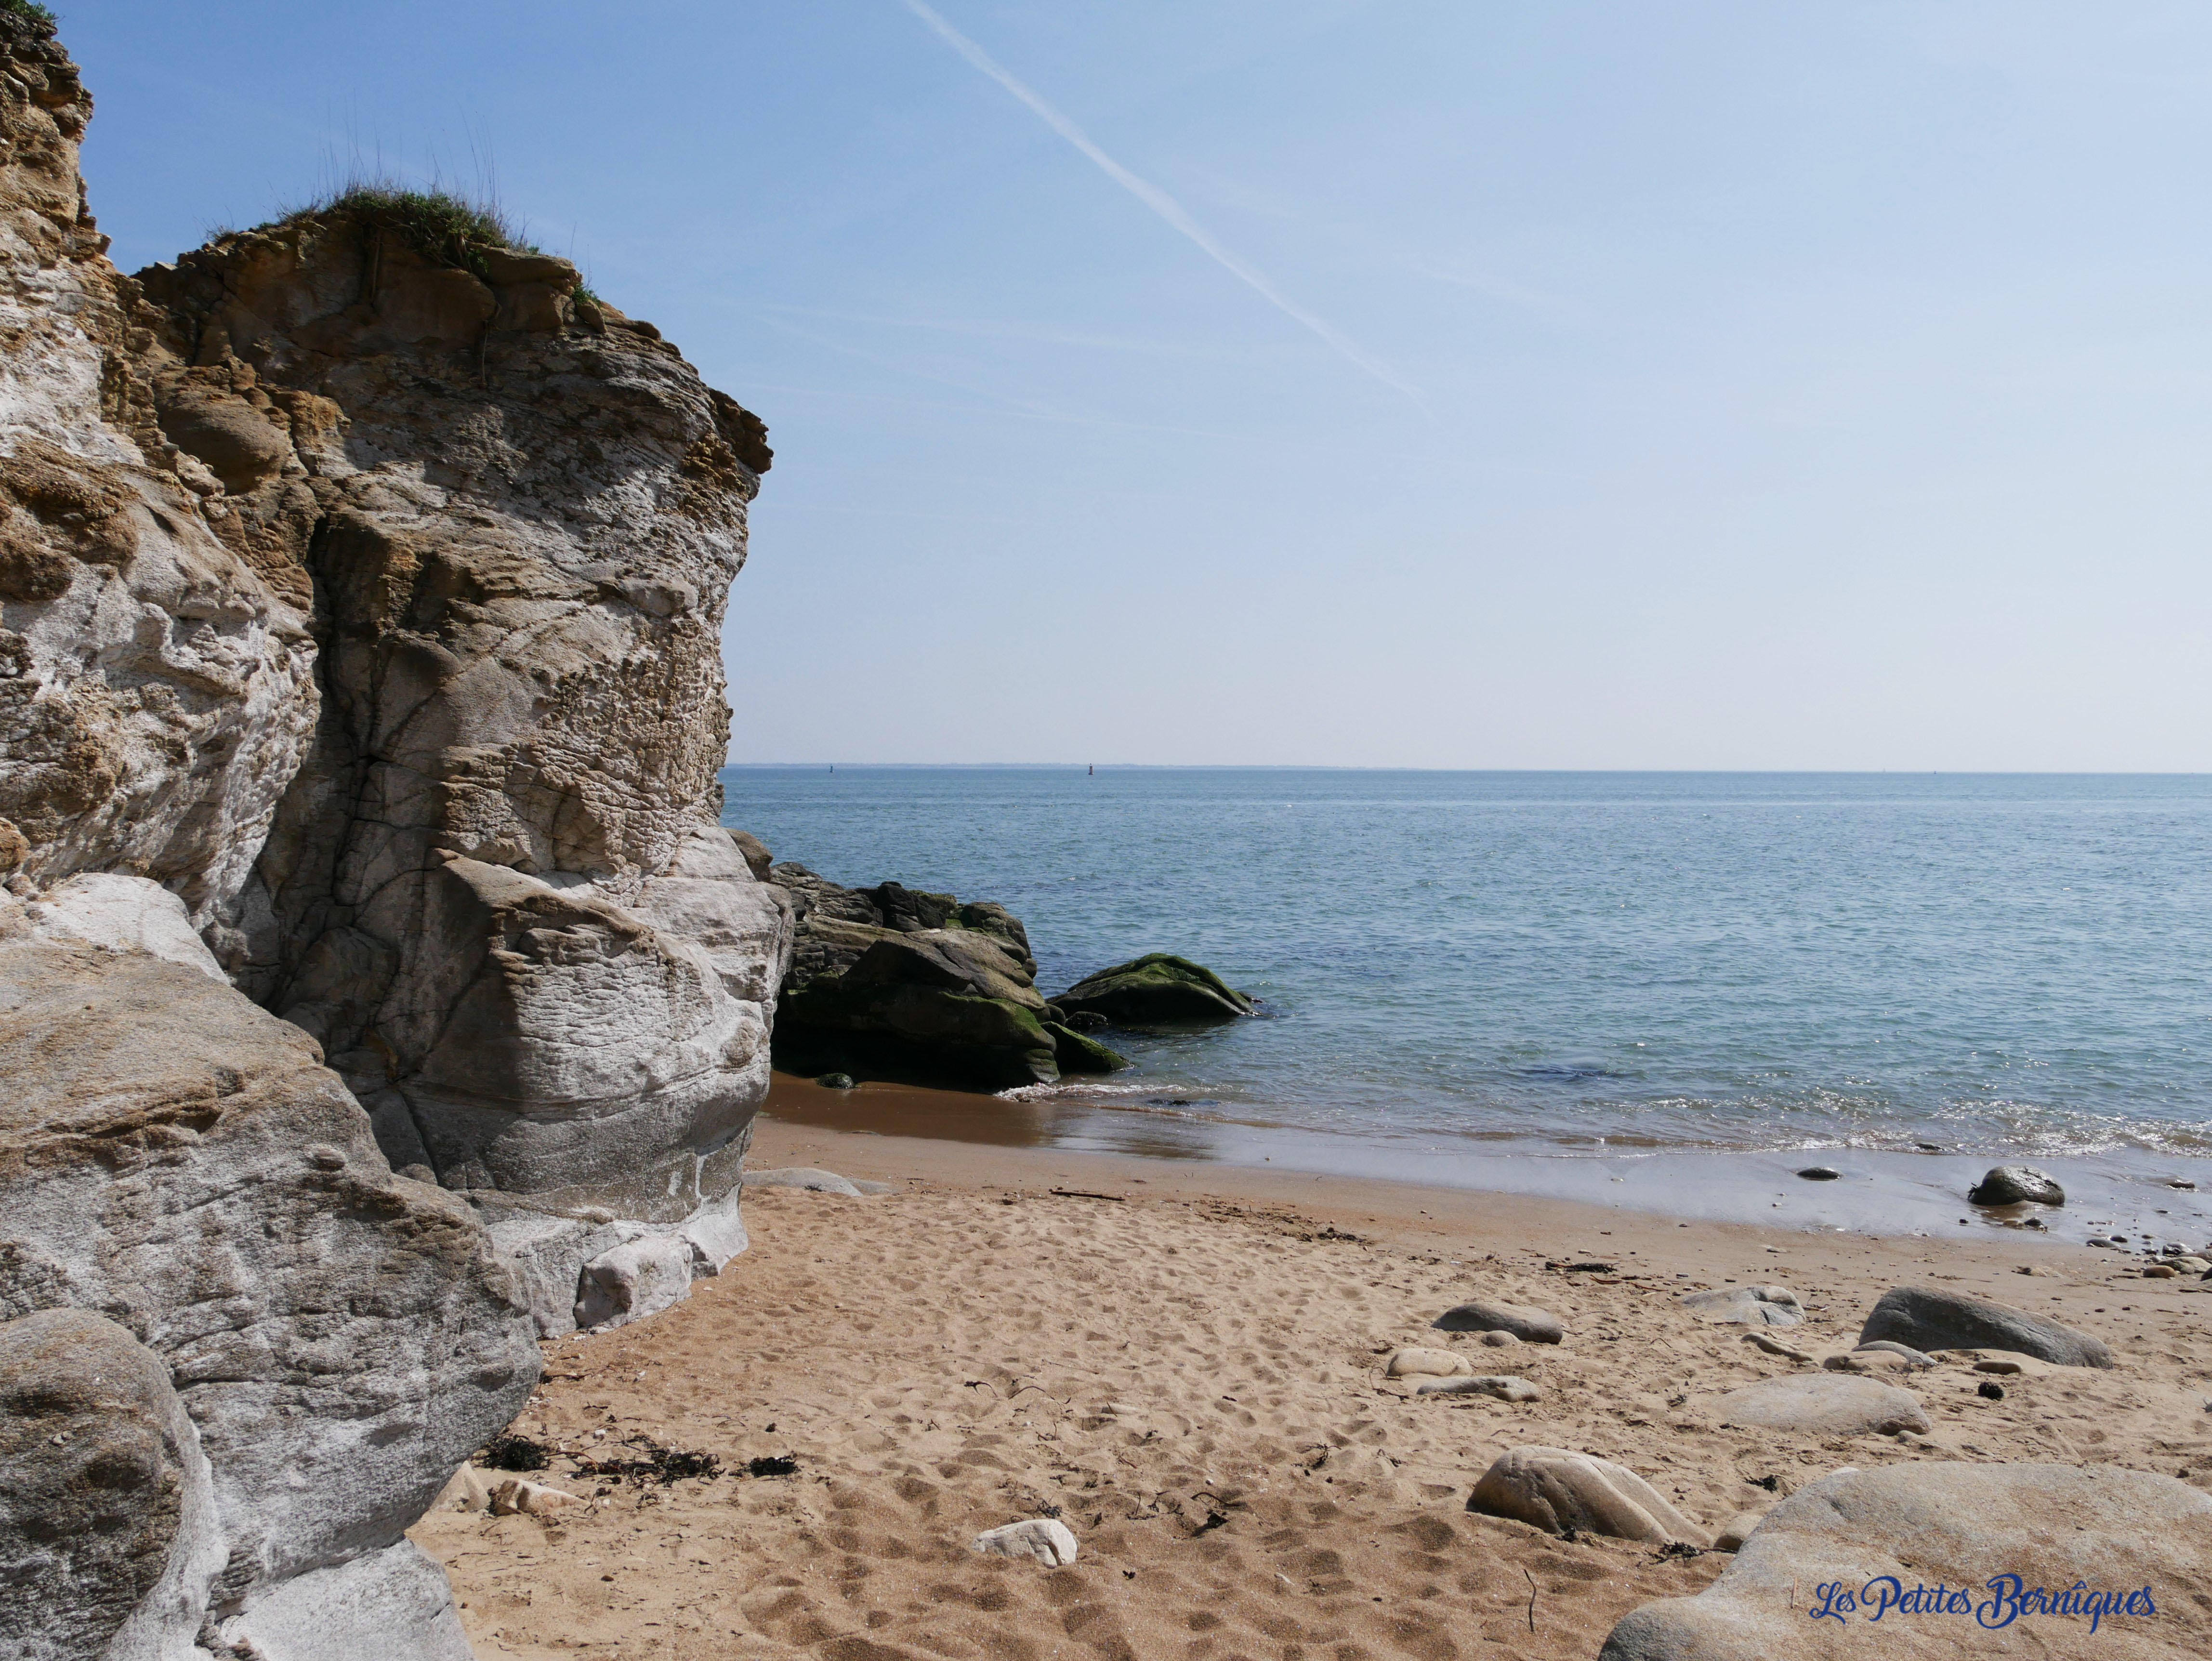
(1556, 1489)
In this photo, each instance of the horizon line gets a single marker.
(1356, 767)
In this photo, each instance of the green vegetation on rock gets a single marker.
(1077, 1054)
(1156, 989)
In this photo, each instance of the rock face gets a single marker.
(2012, 1184)
(156, 688)
(1556, 1489)
(179, 1162)
(1924, 1318)
(1156, 990)
(1822, 1404)
(495, 889)
(1957, 1525)
(107, 1527)
(896, 982)
(359, 612)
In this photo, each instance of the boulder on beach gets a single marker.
(1924, 1318)
(2016, 1185)
(1821, 1404)
(1157, 989)
(1529, 1325)
(1417, 1363)
(903, 983)
(1751, 1306)
(1556, 1489)
(1968, 1528)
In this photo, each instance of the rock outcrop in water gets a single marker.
(896, 982)
(359, 612)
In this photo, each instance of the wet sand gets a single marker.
(1191, 1371)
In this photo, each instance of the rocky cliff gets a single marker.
(360, 584)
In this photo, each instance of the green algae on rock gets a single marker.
(1157, 989)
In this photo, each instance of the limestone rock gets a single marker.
(1555, 1489)
(1926, 1318)
(1959, 1524)
(1498, 1338)
(634, 1280)
(2013, 1185)
(1496, 1385)
(108, 1535)
(1425, 1364)
(1821, 1404)
(1157, 989)
(122, 914)
(1767, 1306)
(494, 890)
(1529, 1325)
(1046, 1540)
(157, 685)
(394, 1604)
(180, 1162)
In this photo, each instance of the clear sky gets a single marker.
(1465, 383)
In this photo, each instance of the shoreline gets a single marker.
(1878, 1194)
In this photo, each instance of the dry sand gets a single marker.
(1192, 1374)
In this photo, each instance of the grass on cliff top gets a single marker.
(443, 226)
(29, 10)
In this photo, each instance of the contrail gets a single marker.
(1156, 199)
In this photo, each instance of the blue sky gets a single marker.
(1689, 386)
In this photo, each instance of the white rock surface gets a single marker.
(1046, 1540)
(394, 1604)
(180, 1161)
(634, 1280)
(124, 913)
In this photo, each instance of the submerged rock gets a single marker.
(896, 982)
(1157, 989)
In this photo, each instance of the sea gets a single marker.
(1550, 980)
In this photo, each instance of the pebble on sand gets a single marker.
(1045, 1540)
(1556, 1489)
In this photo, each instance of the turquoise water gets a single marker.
(1552, 962)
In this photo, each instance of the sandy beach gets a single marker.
(1191, 1371)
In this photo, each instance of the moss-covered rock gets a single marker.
(1077, 1054)
(1157, 989)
